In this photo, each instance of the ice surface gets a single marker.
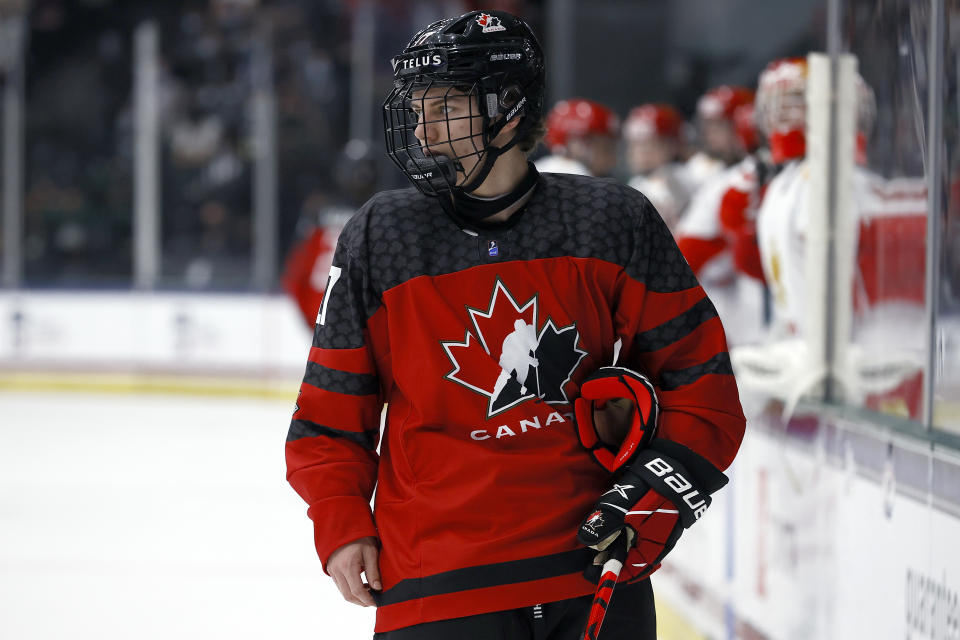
(155, 516)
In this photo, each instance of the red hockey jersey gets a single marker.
(305, 271)
(477, 340)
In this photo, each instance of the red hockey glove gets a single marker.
(611, 383)
(664, 491)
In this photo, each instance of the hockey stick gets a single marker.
(610, 571)
(608, 580)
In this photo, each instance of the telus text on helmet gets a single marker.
(417, 61)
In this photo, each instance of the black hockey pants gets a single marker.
(631, 616)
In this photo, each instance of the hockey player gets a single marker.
(712, 249)
(582, 137)
(881, 373)
(782, 217)
(654, 137)
(307, 265)
(739, 205)
(719, 145)
(308, 262)
(490, 501)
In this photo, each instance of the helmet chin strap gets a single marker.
(490, 153)
(489, 158)
(467, 208)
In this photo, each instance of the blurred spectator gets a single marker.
(78, 182)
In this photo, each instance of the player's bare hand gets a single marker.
(613, 420)
(348, 562)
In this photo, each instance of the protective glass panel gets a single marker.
(946, 398)
(883, 367)
(3, 229)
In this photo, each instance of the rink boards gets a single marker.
(828, 529)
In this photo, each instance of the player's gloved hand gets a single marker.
(665, 490)
(615, 384)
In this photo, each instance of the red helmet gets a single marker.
(653, 120)
(577, 118)
(782, 107)
(722, 101)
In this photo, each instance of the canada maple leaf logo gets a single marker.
(509, 358)
(490, 23)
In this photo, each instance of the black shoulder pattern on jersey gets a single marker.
(666, 268)
(584, 217)
(614, 222)
(402, 234)
(349, 303)
(409, 235)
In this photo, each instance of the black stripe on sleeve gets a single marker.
(671, 380)
(676, 328)
(306, 429)
(352, 384)
(488, 575)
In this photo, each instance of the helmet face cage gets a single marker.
(489, 61)
(781, 97)
(456, 155)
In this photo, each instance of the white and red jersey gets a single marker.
(889, 294)
(477, 340)
(722, 218)
(556, 163)
(781, 234)
(708, 248)
(700, 235)
(698, 169)
(307, 266)
(738, 212)
(666, 190)
(891, 223)
(888, 286)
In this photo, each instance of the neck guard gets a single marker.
(466, 207)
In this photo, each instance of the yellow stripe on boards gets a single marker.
(671, 625)
(146, 383)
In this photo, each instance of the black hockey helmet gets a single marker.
(491, 56)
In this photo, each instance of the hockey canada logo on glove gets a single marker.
(649, 506)
(615, 383)
(593, 522)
